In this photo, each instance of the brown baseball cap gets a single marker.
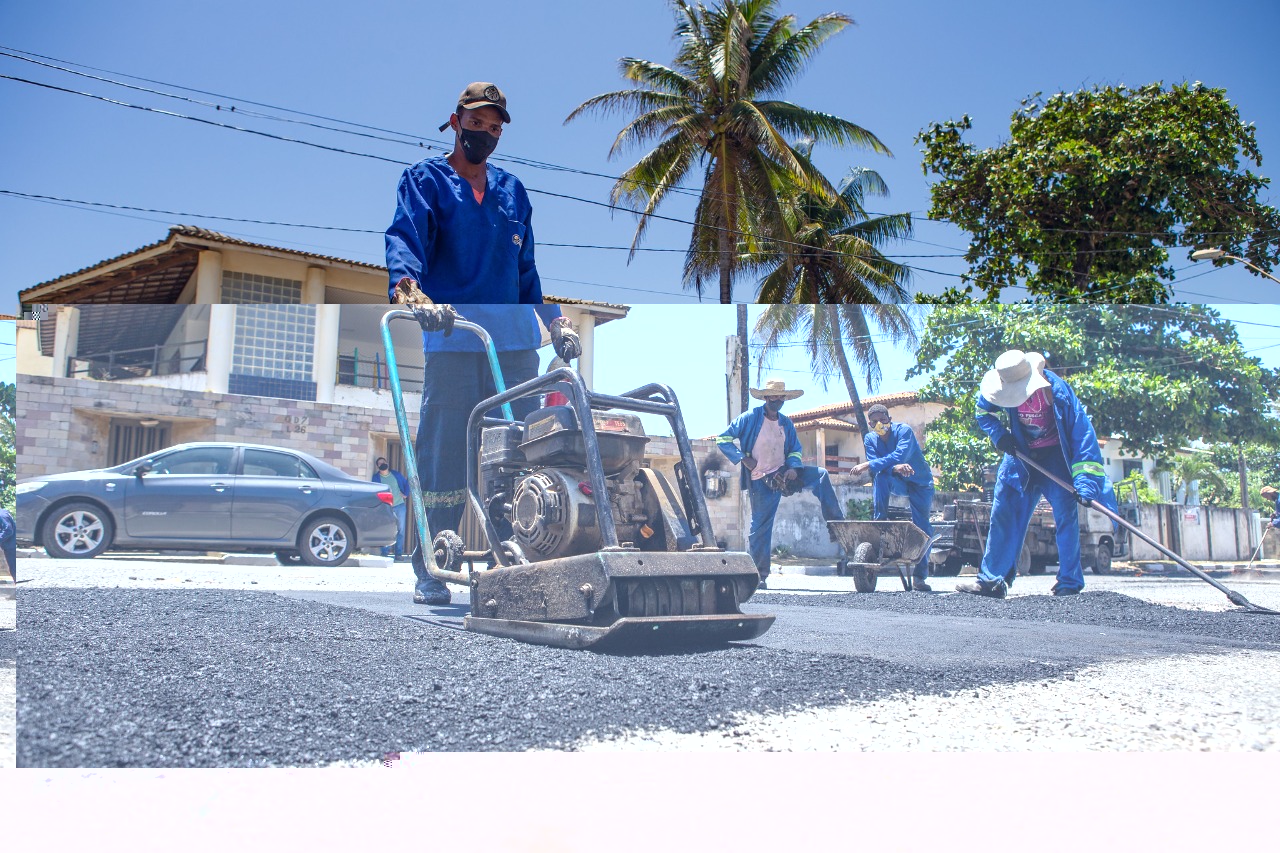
(483, 95)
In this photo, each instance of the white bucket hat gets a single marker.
(775, 388)
(1016, 376)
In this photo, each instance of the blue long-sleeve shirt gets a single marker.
(745, 429)
(459, 250)
(898, 446)
(1075, 434)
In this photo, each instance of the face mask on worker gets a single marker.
(880, 428)
(477, 145)
(773, 406)
(382, 466)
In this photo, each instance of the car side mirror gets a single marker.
(143, 468)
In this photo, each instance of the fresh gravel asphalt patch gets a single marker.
(224, 678)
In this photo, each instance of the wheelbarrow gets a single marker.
(868, 547)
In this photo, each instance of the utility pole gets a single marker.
(1244, 479)
(744, 368)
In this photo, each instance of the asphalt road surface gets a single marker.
(146, 663)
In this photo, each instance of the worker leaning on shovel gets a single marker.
(1047, 423)
(771, 464)
(897, 465)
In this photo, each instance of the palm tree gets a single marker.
(714, 109)
(834, 253)
(1183, 470)
(830, 334)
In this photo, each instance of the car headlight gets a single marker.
(34, 486)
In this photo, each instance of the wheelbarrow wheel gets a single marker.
(864, 579)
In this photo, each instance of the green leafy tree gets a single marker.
(830, 334)
(717, 109)
(1093, 190)
(1262, 463)
(8, 456)
(1158, 377)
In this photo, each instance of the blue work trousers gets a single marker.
(453, 384)
(920, 496)
(764, 507)
(1011, 514)
(401, 511)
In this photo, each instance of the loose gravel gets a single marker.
(205, 677)
(1102, 608)
(1147, 706)
(8, 676)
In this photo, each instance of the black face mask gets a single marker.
(772, 406)
(383, 467)
(477, 145)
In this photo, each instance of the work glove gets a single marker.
(1006, 444)
(783, 481)
(407, 293)
(436, 318)
(1086, 490)
(564, 340)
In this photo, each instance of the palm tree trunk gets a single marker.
(837, 343)
(726, 274)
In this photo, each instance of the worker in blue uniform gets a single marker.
(461, 246)
(1046, 422)
(764, 442)
(898, 466)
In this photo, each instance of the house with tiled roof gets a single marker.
(829, 435)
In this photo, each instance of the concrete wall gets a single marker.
(1197, 532)
(800, 527)
(65, 423)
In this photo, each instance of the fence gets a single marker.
(157, 360)
(371, 372)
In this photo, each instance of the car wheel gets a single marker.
(325, 542)
(78, 531)
(1102, 563)
(289, 558)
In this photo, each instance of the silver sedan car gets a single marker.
(209, 496)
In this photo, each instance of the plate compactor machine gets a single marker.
(585, 546)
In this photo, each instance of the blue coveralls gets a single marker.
(899, 446)
(459, 250)
(1077, 459)
(401, 511)
(455, 379)
(9, 541)
(764, 500)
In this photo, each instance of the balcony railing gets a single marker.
(371, 372)
(835, 464)
(158, 360)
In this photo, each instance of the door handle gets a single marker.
(218, 487)
(306, 490)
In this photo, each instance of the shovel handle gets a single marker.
(1233, 596)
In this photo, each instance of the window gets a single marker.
(195, 462)
(239, 288)
(130, 440)
(1129, 466)
(274, 341)
(269, 463)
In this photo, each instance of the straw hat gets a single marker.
(774, 388)
(1016, 376)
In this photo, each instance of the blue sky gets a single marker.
(684, 347)
(400, 66)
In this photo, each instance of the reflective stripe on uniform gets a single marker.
(1094, 468)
